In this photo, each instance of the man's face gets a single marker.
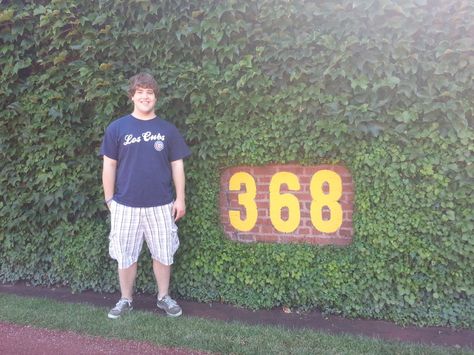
(144, 100)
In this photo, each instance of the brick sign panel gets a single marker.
(287, 203)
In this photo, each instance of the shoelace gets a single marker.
(169, 302)
(121, 303)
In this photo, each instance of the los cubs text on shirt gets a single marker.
(147, 136)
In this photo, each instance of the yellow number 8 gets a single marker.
(321, 199)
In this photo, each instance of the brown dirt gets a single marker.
(457, 338)
(19, 340)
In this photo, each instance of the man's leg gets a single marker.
(162, 275)
(127, 280)
(126, 239)
(162, 239)
(164, 301)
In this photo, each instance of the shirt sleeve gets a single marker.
(109, 146)
(178, 148)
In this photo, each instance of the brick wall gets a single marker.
(264, 229)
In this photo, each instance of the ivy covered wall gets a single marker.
(383, 87)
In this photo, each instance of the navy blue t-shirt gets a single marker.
(144, 150)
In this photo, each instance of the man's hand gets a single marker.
(179, 206)
(108, 179)
(179, 209)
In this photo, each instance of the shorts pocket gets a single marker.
(174, 238)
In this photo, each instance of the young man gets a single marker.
(143, 157)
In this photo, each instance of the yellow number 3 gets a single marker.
(246, 199)
(330, 200)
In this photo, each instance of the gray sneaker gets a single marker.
(123, 306)
(170, 306)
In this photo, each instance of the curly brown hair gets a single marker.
(142, 80)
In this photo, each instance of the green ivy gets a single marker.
(382, 86)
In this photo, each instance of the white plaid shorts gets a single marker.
(131, 225)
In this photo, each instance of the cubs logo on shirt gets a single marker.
(159, 146)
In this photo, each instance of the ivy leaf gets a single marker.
(6, 15)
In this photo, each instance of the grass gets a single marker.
(196, 333)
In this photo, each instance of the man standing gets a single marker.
(142, 159)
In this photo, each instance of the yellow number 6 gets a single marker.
(320, 199)
(246, 199)
(279, 201)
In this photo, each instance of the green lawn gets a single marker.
(195, 333)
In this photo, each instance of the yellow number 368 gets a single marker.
(320, 201)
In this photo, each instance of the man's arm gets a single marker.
(109, 170)
(179, 206)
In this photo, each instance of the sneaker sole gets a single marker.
(171, 314)
(111, 316)
(174, 315)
